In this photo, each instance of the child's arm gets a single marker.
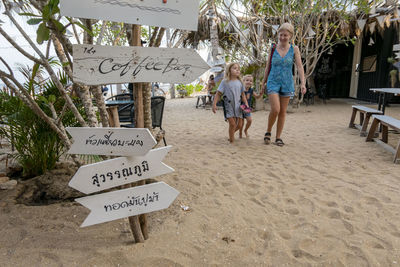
(244, 99)
(216, 99)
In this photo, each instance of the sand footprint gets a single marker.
(332, 204)
(348, 209)
(257, 202)
(293, 211)
(285, 235)
(307, 204)
(334, 214)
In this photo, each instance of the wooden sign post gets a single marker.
(107, 174)
(119, 171)
(96, 64)
(168, 14)
(138, 224)
(127, 202)
(110, 141)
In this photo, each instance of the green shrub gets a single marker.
(188, 89)
(38, 146)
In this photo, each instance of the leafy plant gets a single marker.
(188, 89)
(38, 146)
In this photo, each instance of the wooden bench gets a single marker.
(204, 102)
(363, 121)
(386, 122)
(203, 99)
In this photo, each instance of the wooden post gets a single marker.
(138, 227)
(113, 118)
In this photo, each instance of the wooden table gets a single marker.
(383, 95)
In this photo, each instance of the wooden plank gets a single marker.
(127, 202)
(168, 14)
(113, 118)
(388, 121)
(96, 65)
(119, 171)
(367, 109)
(110, 141)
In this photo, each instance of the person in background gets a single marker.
(210, 86)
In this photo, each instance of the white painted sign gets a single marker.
(396, 47)
(111, 141)
(114, 172)
(127, 202)
(178, 14)
(95, 64)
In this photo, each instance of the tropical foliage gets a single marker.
(38, 146)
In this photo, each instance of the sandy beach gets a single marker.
(326, 198)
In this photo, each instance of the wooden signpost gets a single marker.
(96, 64)
(127, 202)
(120, 171)
(111, 141)
(181, 14)
(115, 172)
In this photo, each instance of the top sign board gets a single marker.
(178, 14)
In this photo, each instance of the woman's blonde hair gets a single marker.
(288, 27)
(228, 68)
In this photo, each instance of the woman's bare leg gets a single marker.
(275, 109)
(284, 101)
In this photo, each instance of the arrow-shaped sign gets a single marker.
(114, 172)
(111, 141)
(127, 202)
(96, 64)
(169, 14)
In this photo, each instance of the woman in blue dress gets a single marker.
(279, 80)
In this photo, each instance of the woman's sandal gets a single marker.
(267, 138)
(279, 142)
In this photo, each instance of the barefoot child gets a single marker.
(249, 93)
(233, 90)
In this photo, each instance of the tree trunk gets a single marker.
(98, 96)
(147, 106)
(139, 229)
(159, 37)
(213, 30)
(84, 95)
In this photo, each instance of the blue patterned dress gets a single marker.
(280, 79)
